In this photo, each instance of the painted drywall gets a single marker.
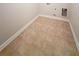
(74, 18)
(15, 16)
(50, 9)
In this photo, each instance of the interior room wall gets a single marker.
(50, 9)
(15, 16)
(74, 18)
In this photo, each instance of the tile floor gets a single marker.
(44, 37)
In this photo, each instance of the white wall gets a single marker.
(15, 16)
(75, 18)
(50, 9)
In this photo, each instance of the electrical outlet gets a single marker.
(47, 3)
(55, 9)
(54, 14)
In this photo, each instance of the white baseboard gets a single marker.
(56, 18)
(16, 34)
(74, 35)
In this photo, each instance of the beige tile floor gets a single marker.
(44, 37)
